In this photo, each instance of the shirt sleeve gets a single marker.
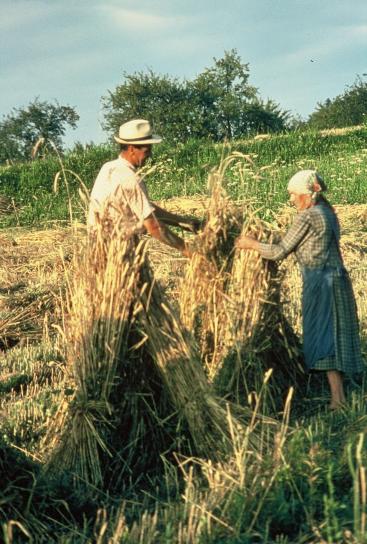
(136, 196)
(289, 242)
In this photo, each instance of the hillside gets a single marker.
(260, 460)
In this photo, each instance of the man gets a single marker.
(119, 196)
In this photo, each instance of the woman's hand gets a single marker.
(246, 242)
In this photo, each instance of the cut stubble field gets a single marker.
(220, 437)
(34, 381)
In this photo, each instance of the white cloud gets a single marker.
(19, 14)
(130, 19)
(358, 31)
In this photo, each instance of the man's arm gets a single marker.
(160, 232)
(190, 224)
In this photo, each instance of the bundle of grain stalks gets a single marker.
(231, 299)
(140, 392)
(101, 357)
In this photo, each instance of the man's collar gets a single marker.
(126, 163)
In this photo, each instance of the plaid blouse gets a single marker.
(313, 237)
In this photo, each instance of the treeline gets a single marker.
(345, 110)
(29, 132)
(217, 105)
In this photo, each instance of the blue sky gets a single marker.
(300, 52)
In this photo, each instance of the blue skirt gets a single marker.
(330, 323)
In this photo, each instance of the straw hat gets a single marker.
(137, 132)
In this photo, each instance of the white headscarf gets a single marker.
(303, 183)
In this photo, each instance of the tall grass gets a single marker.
(305, 482)
(182, 170)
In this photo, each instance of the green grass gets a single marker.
(309, 487)
(182, 170)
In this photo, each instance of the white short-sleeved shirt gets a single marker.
(119, 195)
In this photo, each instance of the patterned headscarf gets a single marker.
(303, 183)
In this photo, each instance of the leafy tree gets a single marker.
(218, 104)
(161, 99)
(264, 117)
(222, 95)
(23, 127)
(347, 109)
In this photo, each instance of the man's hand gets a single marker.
(192, 225)
(187, 251)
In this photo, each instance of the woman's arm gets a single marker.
(288, 243)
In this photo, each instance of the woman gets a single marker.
(330, 324)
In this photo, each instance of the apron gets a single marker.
(318, 308)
